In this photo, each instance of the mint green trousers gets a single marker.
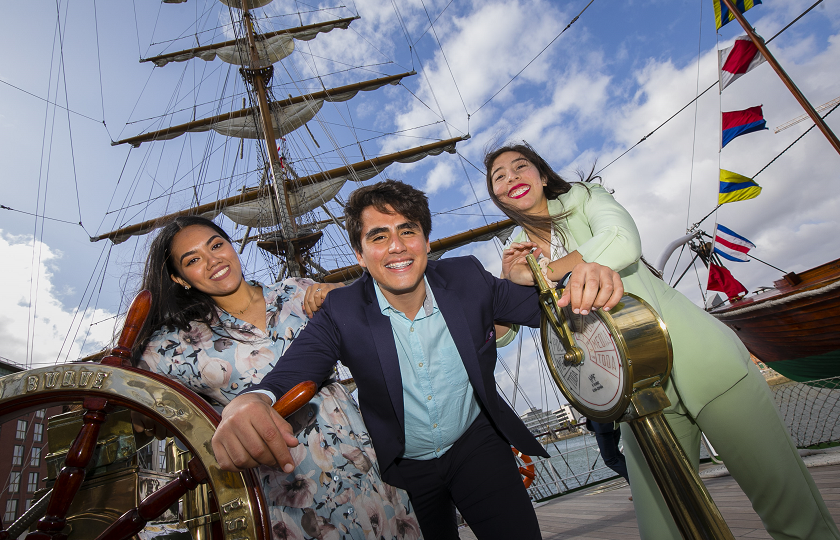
(747, 431)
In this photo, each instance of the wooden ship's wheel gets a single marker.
(114, 384)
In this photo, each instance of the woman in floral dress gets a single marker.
(219, 334)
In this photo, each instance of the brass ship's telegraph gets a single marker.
(611, 367)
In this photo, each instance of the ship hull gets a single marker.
(794, 327)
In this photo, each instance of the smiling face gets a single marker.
(206, 261)
(517, 183)
(395, 252)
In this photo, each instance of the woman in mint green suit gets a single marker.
(714, 387)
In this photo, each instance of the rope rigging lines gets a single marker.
(698, 96)
(51, 102)
(573, 21)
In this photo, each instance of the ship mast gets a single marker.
(759, 43)
(362, 170)
(259, 76)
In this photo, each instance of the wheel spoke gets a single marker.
(156, 504)
(73, 473)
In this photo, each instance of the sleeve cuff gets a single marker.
(268, 393)
(509, 336)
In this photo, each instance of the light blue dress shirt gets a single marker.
(438, 398)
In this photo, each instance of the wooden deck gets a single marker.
(605, 513)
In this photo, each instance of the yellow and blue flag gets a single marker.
(735, 187)
(723, 15)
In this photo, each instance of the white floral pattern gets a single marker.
(335, 492)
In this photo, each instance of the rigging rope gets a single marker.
(405, 68)
(51, 102)
(99, 66)
(79, 314)
(157, 18)
(815, 4)
(136, 28)
(404, 29)
(643, 139)
(37, 247)
(794, 142)
(460, 96)
(231, 24)
(4, 207)
(63, 70)
(534, 58)
(684, 107)
(432, 22)
(443, 54)
(694, 129)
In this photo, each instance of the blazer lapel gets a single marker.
(449, 303)
(386, 349)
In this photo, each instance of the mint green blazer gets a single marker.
(708, 357)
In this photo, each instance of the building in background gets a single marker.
(23, 449)
(566, 414)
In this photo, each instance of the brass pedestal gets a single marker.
(629, 344)
(692, 507)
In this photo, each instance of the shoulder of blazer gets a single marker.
(457, 274)
(575, 197)
(360, 291)
(452, 267)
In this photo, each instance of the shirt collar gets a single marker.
(429, 304)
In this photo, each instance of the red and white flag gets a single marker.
(738, 59)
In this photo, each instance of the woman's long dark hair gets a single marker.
(173, 306)
(555, 186)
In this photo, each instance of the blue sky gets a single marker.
(618, 72)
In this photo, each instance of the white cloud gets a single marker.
(483, 51)
(54, 334)
(441, 176)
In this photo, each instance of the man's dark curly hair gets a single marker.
(403, 199)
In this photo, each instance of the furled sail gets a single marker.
(500, 229)
(287, 114)
(251, 3)
(260, 213)
(285, 120)
(363, 170)
(230, 3)
(271, 46)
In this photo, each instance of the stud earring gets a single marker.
(186, 287)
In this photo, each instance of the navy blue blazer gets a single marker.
(351, 327)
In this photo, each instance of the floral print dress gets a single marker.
(335, 491)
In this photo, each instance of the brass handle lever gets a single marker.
(548, 303)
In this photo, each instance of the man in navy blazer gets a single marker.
(370, 326)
